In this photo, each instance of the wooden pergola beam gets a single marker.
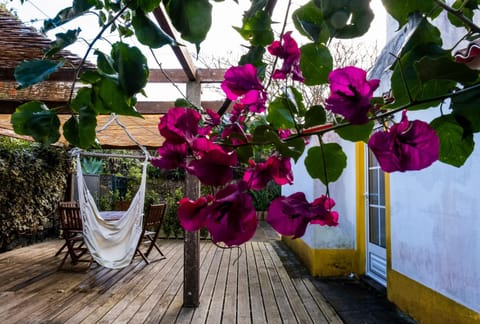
(181, 52)
(155, 76)
(8, 107)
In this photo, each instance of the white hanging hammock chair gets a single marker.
(112, 243)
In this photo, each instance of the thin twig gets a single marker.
(459, 14)
(90, 46)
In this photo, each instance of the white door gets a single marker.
(375, 221)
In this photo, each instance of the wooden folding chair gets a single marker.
(151, 229)
(71, 225)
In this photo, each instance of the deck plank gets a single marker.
(245, 285)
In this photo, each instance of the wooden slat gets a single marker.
(248, 287)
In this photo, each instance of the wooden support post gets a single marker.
(191, 258)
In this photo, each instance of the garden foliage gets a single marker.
(214, 146)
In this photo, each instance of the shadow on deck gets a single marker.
(258, 283)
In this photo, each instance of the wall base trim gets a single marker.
(322, 262)
(424, 304)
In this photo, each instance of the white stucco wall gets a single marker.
(342, 191)
(435, 227)
(435, 222)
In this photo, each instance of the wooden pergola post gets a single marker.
(191, 257)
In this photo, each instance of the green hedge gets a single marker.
(32, 182)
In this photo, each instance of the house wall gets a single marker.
(328, 251)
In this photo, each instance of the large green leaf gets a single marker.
(63, 40)
(292, 148)
(257, 29)
(79, 130)
(405, 79)
(444, 68)
(467, 106)
(315, 116)
(113, 98)
(192, 18)
(308, 20)
(105, 63)
(355, 133)
(78, 8)
(35, 71)
(35, 119)
(401, 9)
(316, 63)
(131, 66)
(281, 113)
(347, 18)
(455, 144)
(148, 33)
(326, 163)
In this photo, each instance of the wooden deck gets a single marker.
(246, 285)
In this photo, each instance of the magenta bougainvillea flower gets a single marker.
(172, 155)
(231, 216)
(291, 215)
(212, 165)
(275, 168)
(191, 213)
(243, 82)
(325, 215)
(290, 53)
(408, 145)
(180, 125)
(350, 94)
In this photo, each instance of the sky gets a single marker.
(221, 42)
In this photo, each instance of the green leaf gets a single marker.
(467, 10)
(315, 115)
(90, 77)
(148, 33)
(80, 130)
(316, 63)
(466, 105)
(105, 63)
(78, 8)
(254, 56)
(113, 98)
(455, 144)
(244, 153)
(444, 68)
(348, 19)
(131, 66)
(35, 71)
(181, 102)
(308, 20)
(148, 5)
(355, 133)
(326, 163)
(35, 119)
(63, 40)
(292, 148)
(257, 29)
(280, 113)
(405, 75)
(400, 10)
(82, 99)
(296, 97)
(264, 134)
(192, 18)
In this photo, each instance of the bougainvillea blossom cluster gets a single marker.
(290, 53)
(206, 147)
(351, 94)
(406, 146)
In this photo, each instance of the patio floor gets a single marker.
(245, 285)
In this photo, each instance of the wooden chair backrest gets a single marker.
(70, 218)
(155, 214)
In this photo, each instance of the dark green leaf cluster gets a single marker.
(32, 182)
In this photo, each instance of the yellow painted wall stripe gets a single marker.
(360, 239)
(426, 305)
